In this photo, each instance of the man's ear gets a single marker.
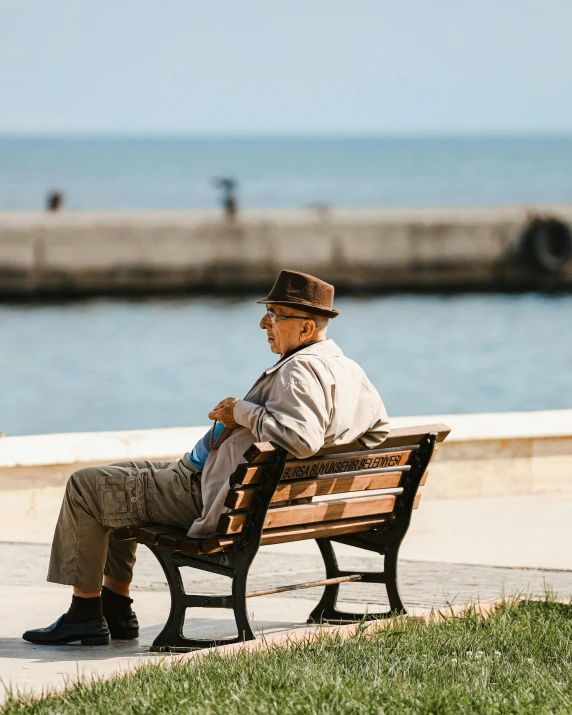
(309, 328)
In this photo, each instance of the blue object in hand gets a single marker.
(201, 450)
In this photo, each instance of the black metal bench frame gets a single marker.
(234, 562)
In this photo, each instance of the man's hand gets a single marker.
(223, 412)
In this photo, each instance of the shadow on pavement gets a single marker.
(207, 628)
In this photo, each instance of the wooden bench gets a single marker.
(275, 499)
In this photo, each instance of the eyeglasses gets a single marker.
(273, 317)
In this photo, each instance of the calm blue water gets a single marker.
(178, 173)
(106, 365)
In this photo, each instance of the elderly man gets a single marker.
(313, 397)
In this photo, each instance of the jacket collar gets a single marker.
(325, 348)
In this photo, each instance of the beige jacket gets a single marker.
(314, 398)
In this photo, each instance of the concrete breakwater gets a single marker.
(66, 254)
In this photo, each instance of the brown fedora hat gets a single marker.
(302, 291)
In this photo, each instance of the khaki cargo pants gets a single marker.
(99, 499)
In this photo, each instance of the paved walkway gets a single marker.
(23, 591)
(477, 549)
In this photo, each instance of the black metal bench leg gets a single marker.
(391, 585)
(326, 608)
(239, 607)
(327, 612)
(172, 633)
(171, 637)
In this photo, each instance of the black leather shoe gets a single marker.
(59, 633)
(123, 628)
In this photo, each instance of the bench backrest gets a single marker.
(339, 491)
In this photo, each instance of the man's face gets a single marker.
(285, 335)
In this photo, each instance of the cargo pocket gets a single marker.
(114, 503)
(117, 500)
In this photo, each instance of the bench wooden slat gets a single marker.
(209, 546)
(329, 465)
(333, 510)
(124, 533)
(296, 533)
(400, 437)
(306, 488)
(321, 530)
(245, 474)
(172, 541)
(309, 513)
(259, 452)
(193, 547)
(350, 462)
(150, 534)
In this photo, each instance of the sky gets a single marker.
(156, 67)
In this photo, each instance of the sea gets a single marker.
(180, 173)
(126, 364)
(115, 365)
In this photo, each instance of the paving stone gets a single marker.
(423, 584)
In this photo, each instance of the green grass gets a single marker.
(518, 660)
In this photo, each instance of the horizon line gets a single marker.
(325, 135)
